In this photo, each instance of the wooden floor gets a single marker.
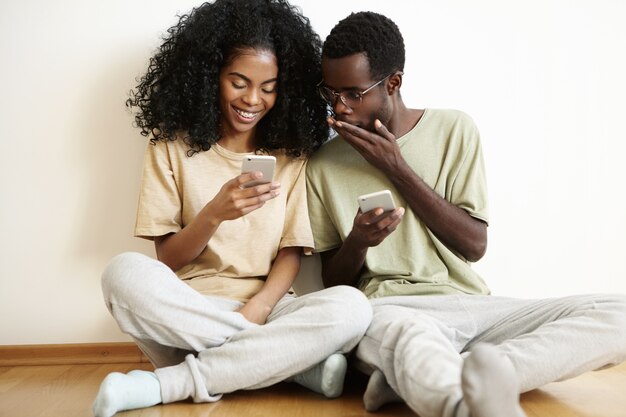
(68, 391)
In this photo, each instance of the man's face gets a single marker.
(352, 74)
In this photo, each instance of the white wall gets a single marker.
(543, 80)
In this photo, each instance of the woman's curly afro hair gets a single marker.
(373, 34)
(180, 90)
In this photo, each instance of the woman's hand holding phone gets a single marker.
(261, 163)
(234, 200)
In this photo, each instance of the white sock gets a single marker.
(118, 392)
(378, 392)
(326, 377)
(489, 384)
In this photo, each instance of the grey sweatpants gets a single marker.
(202, 347)
(418, 341)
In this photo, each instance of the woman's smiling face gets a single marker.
(248, 85)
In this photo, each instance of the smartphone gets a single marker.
(382, 199)
(263, 163)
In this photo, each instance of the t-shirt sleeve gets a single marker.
(469, 190)
(325, 235)
(297, 229)
(159, 209)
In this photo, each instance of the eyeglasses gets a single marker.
(349, 98)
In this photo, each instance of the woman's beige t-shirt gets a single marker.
(238, 257)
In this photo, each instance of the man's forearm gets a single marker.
(343, 266)
(451, 224)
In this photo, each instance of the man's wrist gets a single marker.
(401, 173)
(355, 245)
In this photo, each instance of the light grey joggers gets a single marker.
(203, 348)
(419, 342)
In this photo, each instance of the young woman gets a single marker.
(231, 79)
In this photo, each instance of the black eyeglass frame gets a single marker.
(357, 98)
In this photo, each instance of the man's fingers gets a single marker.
(372, 216)
(382, 131)
(377, 215)
(394, 225)
(388, 220)
(356, 142)
(354, 134)
(356, 131)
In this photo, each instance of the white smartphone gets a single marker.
(263, 163)
(382, 199)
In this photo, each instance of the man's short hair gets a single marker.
(371, 33)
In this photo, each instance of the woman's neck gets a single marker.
(241, 143)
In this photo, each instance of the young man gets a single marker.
(438, 340)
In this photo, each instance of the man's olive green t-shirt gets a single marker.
(444, 151)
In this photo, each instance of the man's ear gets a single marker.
(394, 83)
